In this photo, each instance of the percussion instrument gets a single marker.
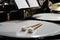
(55, 7)
(13, 29)
(24, 28)
(47, 16)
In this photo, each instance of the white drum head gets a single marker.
(13, 29)
(47, 16)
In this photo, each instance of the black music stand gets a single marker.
(24, 5)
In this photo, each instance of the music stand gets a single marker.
(26, 4)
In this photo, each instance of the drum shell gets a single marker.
(3, 16)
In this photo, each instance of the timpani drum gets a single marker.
(13, 29)
(47, 16)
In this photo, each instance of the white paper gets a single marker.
(21, 4)
(33, 3)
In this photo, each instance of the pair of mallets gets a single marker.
(30, 29)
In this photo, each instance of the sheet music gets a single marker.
(33, 3)
(21, 4)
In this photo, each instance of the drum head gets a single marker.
(47, 16)
(13, 29)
